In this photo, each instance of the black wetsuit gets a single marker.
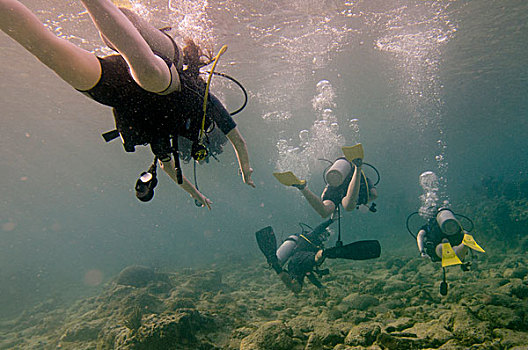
(434, 236)
(302, 263)
(337, 193)
(144, 117)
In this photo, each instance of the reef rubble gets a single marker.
(389, 303)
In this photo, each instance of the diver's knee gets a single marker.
(438, 250)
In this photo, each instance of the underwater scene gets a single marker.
(264, 175)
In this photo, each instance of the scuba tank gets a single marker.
(447, 222)
(338, 172)
(286, 249)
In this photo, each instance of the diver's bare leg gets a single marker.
(147, 69)
(155, 39)
(350, 200)
(78, 67)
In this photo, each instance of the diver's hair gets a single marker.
(192, 54)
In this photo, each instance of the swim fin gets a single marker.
(353, 152)
(449, 256)
(360, 250)
(123, 3)
(288, 179)
(470, 242)
(268, 246)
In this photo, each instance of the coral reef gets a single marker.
(390, 303)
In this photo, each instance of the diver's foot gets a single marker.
(465, 267)
(300, 186)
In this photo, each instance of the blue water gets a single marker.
(424, 85)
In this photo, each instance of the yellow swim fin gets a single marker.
(448, 256)
(123, 3)
(288, 179)
(470, 242)
(353, 152)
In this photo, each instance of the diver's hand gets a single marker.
(246, 176)
(300, 187)
(424, 255)
(290, 283)
(206, 202)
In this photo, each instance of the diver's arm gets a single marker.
(169, 168)
(350, 200)
(148, 70)
(239, 144)
(193, 191)
(314, 280)
(420, 242)
(79, 68)
(323, 208)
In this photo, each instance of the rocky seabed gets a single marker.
(390, 303)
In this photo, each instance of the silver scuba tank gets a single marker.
(447, 221)
(286, 249)
(338, 172)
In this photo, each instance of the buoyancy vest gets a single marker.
(149, 118)
(143, 117)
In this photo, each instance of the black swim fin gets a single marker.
(268, 246)
(360, 250)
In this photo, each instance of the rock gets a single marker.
(509, 288)
(88, 331)
(206, 281)
(314, 343)
(394, 285)
(139, 276)
(393, 304)
(510, 339)
(273, 335)
(388, 341)
(138, 298)
(179, 303)
(518, 272)
(329, 335)
(520, 291)
(498, 300)
(372, 286)
(363, 334)
(360, 301)
(433, 333)
(302, 324)
(453, 344)
(395, 262)
(500, 317)
(167, 331)
(237, 335)
(400, 324)
(348, 347)
(468, 328)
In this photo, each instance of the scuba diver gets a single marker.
(305, 253)
(152, 85)
(346, 184)
(443, 238)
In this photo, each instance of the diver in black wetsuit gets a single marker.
(305, 253)
(350, 189)
(155, 99)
